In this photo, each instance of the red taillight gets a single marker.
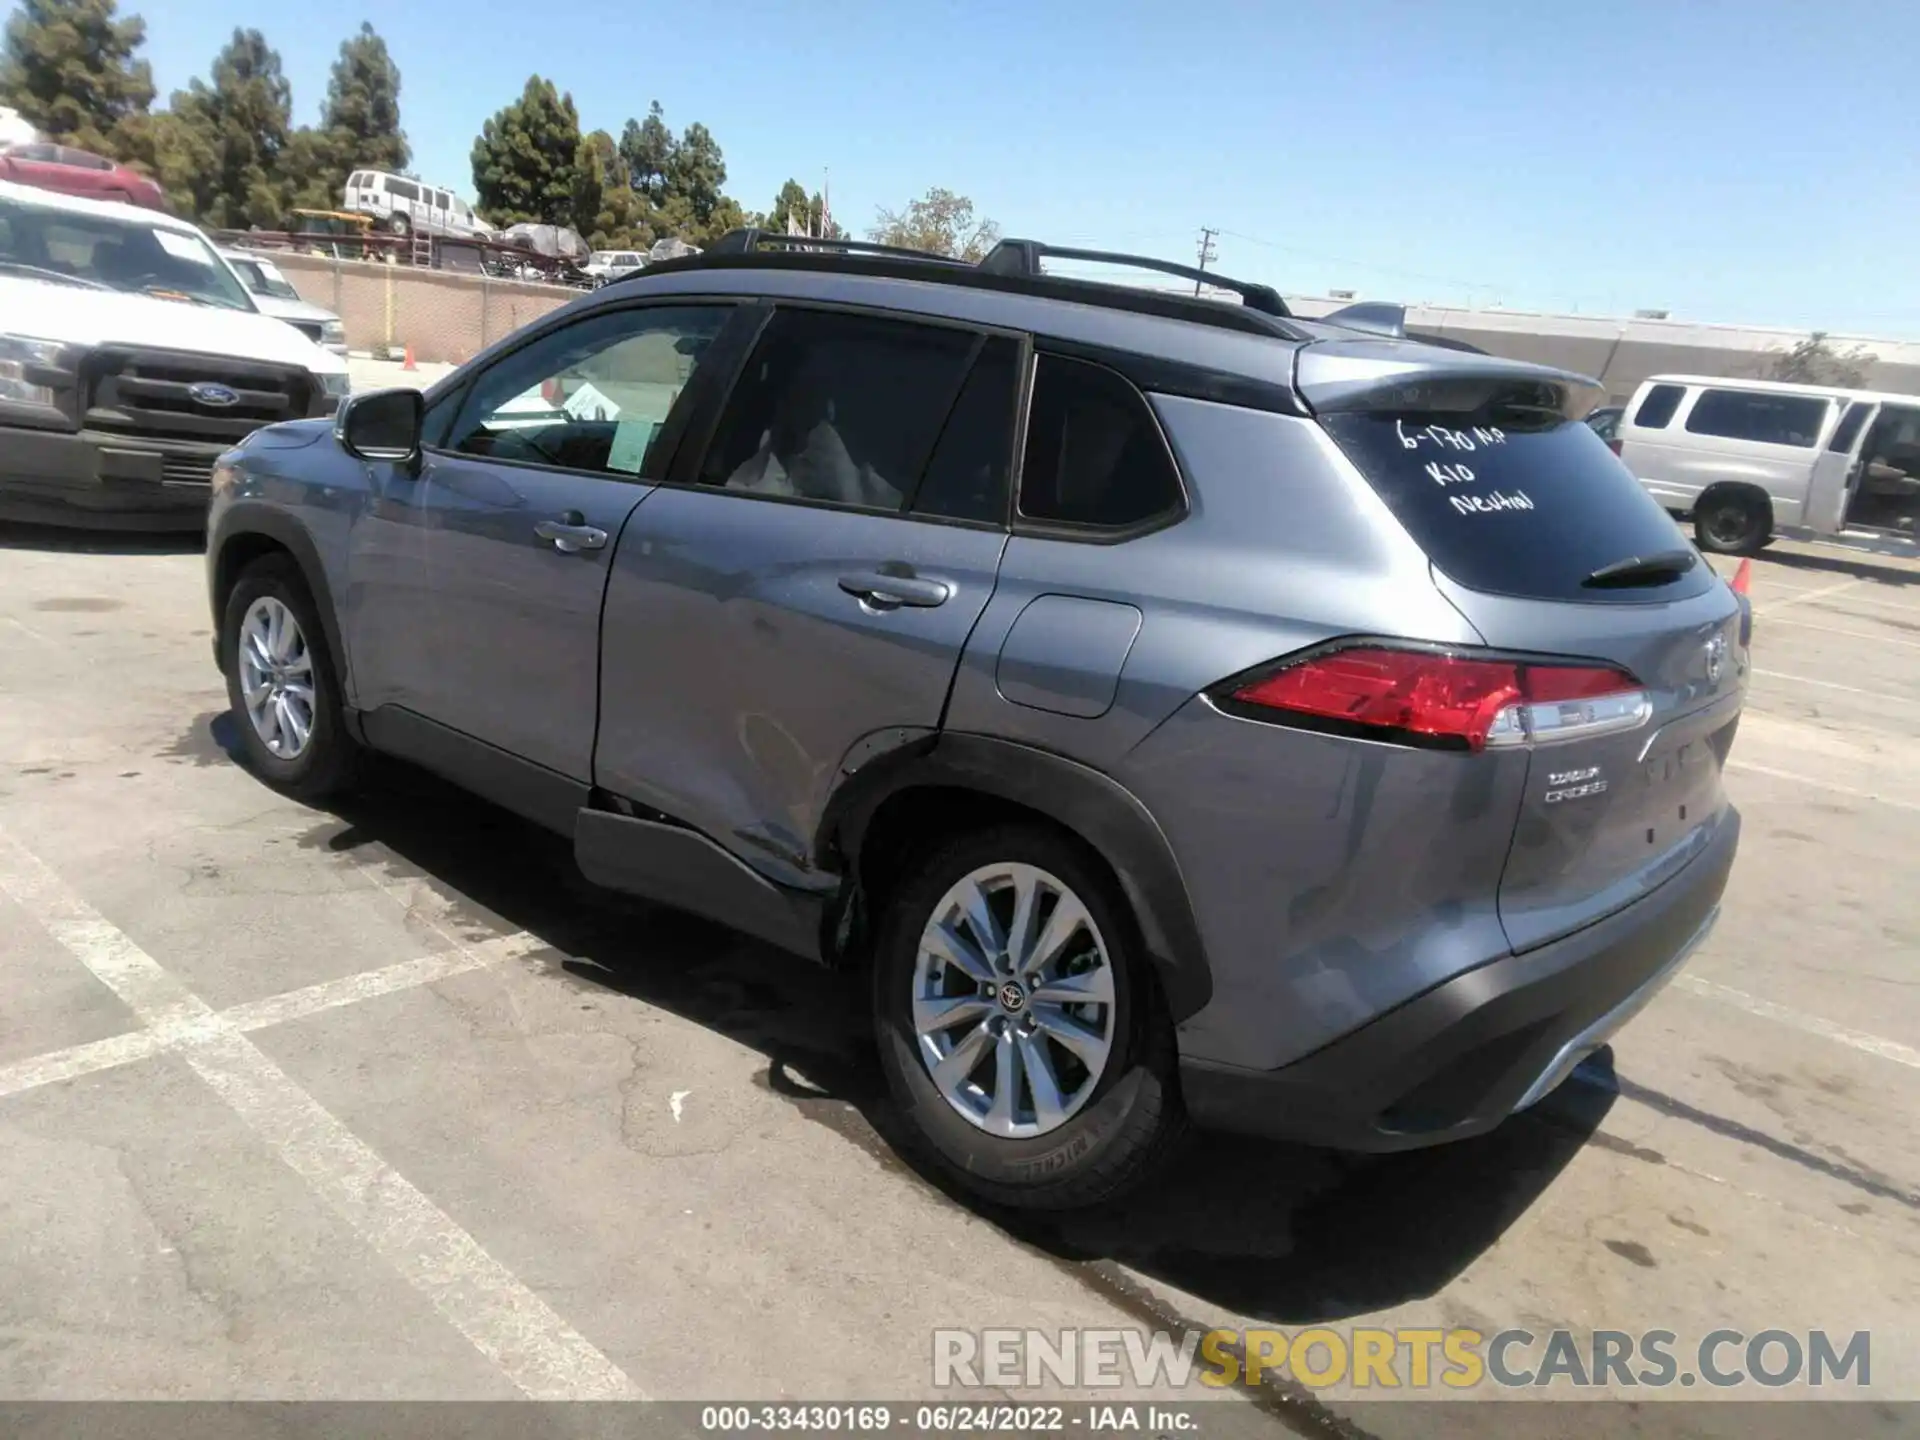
(1614, 445)
(1444, 698)
(551, 392)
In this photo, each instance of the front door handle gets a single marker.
(571, 534)
(889, 592)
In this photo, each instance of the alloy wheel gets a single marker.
(1013, 1000)
(276, 678)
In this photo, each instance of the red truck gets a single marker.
(78, 172)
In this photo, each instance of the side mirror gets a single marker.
(382, 425)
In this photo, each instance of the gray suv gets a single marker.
(1185, 711)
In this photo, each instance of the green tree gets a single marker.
(359, 126)
(68, 67)
(1815, 361)
(697, 175)
(646, 146)
(525, 157)
(218, 150)
(809, 212)
(939, 221)
(606, 208)
(362, 110)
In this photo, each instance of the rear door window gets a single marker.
(1515, 502)
(1657, 409)
(838, 408)
(1767, 417)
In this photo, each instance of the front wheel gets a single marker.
(1020, 1029)
(282, 686)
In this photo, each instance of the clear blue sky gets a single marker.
(1732, 160)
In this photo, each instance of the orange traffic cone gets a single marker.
(1740, 576)
(409, 365)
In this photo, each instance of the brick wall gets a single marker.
(444, 315)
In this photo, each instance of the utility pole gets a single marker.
(1206, 251)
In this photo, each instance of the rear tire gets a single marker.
(1732, 522)
(1066, 1132)
(282, 685)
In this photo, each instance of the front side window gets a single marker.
(1095, 456)
(591, 396)
(1767, 417)
(838, 408)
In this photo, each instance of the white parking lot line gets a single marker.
(1802, 597)
(1830, 685)
(1850, 634)
(1856, 793)
(116, 1050)
(536, 1349)
(1813, 1024)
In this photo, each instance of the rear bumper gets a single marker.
(1459, 1059)
(100, 479)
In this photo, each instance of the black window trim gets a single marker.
(691, 454)
(462, 388)
(1080, 532)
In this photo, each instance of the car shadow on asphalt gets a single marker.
(1274, 1232)
(63, 541)
(1861, 566)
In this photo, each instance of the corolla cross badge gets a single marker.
(1716, 656)
(213, 396)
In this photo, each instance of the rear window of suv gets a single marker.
(1516, 503)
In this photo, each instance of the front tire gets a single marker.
(1021, 1032)
(282, 684)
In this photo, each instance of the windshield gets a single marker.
(100, 250)
(263, 278)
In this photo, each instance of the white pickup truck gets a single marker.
(131, 357)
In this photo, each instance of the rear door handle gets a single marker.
(571, 534)
(889, 592)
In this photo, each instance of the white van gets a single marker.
(1751, 459)
(402, 206)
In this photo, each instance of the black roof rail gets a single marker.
(1023, 257)
(748, 240)
(748, 249)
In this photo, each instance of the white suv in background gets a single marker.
(131, 358)
(607, 265)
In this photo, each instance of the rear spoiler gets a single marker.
(1409, 374)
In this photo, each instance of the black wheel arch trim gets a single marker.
(1091, 804)
(251, 517)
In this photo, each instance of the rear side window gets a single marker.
(1657, 409)
(1514, 502)
(405, 189)
(1095, 456)
(838, 408)
(1763, 416)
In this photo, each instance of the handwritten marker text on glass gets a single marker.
(1443, 438)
